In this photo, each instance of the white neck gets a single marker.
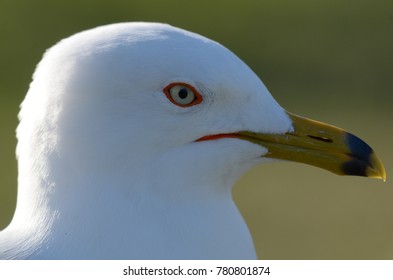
(131, 215)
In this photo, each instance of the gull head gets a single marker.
(133, 134)
(121, 95)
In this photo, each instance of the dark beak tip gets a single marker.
(364, 161)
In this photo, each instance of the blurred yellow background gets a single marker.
(327, 60)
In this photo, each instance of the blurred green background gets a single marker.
(328, 60)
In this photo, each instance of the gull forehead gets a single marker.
(159, 51)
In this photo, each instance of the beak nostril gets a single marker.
(321, 138)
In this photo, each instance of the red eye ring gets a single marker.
(182, 94)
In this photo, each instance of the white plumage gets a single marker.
(109, 166)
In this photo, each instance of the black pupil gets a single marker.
(183, 93)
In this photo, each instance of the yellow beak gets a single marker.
(321, 145)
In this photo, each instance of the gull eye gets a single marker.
(182, 94)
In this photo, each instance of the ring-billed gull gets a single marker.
(131, 137)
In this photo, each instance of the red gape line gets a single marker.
(218, 136)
